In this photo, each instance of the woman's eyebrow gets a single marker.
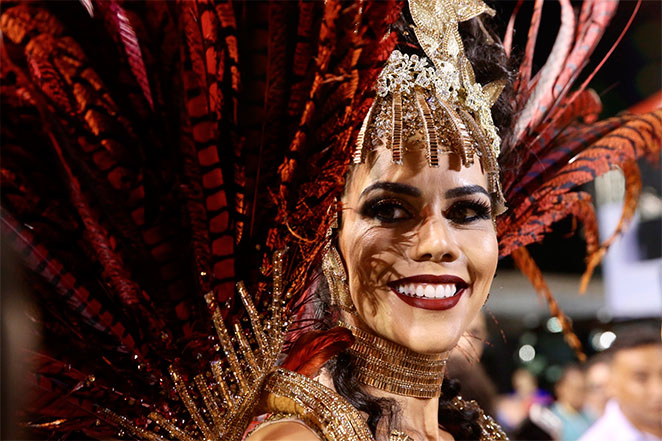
(393, 187)
(464, 191)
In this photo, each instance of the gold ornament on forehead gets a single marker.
(435, 100)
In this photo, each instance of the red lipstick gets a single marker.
(434, 304)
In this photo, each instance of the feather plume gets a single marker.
(510, 29)
(527, 265)
(540, 97)
(118, 20)
(314, 348)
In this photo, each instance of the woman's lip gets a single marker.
(434, 304)
(431, 304)
(431, 280)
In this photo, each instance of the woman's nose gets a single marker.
(435, 241)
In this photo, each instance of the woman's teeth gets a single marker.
(430, 291)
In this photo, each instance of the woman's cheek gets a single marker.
(482, 255)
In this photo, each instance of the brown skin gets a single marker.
(571, 390)
(636, 384)
(388, 235)
(284, 430)
(597, 377)
(524, 383)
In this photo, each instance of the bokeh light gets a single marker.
(527, 353)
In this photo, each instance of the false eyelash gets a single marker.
(370, 208)
(483, 209)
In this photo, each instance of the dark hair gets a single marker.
(487, 56)
(572, 367)
(634, 337)
(600, 357)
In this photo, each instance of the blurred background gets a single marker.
(627, 288)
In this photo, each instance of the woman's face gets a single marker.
(420, 247)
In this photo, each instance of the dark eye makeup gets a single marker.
(465, 211)
(385, 210)
(391, 210)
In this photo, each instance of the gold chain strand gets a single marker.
(209, 400)
(393, 368)
(396, 435)
(254, 317)
(185, 396)
(490, 429)
(129, 426)
(170, 427)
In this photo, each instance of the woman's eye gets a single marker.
(464, 212)
(386, 211)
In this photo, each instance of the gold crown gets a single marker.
(435, 100)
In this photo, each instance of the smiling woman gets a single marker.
(420, 247)
(412, 260)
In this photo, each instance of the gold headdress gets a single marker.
(435, 99)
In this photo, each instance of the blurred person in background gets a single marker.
(570, 392)
(513, 409)
(464, 365)
(19, 338)
(634, 413)
(597, 377)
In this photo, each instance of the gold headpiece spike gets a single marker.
(170, 427)
(489, 163)
(246, 351)
(500, 205)
(461, 143)
(129, 426)
(221, 385)
(210, 401)
(228, 348)
(488, 160)
(429, 129)
(182, 391)
(396, 136)
(253, 316)
(360, 151)
(493, 90)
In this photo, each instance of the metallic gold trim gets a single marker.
(393, 368)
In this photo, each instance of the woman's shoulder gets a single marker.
(284, 429)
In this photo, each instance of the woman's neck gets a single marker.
(417, 402)
(417, 417)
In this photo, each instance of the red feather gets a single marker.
(310, 351)
(527, 265)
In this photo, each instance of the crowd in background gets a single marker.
(616, 395)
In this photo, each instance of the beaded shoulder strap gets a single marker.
(316, 405)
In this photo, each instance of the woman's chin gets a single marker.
(426, 343)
